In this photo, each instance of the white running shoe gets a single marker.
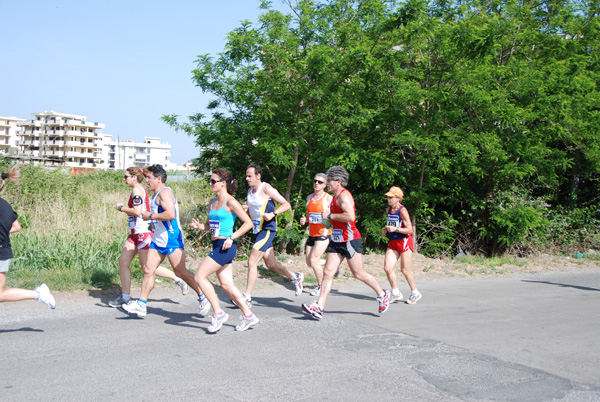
(183, 286)
(217, 322)
(134, 307)
(313, 309)
(395, 297)
(246, 323)
(384, 301)
(316, 291)
(204, 307)
(44, 296)
(298, 279)
(413, 298)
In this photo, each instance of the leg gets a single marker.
(356, 266)
(334, 260)
(13, 295)
(391, 256)
(207, 268)
(405, 260)
(255, 256)
(127, 255)
(313, 257)
(225, 275)
(275, 266)
(177, 261)
(165, 273)
(153, 260)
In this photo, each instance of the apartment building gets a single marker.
(119, 154)
(53, 138)
(8, 135)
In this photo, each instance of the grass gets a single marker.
(72, 235)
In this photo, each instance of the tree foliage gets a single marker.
(483, 111)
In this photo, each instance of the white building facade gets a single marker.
(59, 139)
(53, 138)
(120, 155)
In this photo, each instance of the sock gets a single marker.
(381, 295)
(37, 295)
(220, 313)
(396, 291)
(416, 291)
(125, 297)
(201, 297)
(177, 280)
(142, 302)
(249, 315)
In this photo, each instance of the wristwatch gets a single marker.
(232, 237)
(150, 217)
(119, 208)
(274, 213)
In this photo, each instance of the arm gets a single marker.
(166, 200)
(270, 192)
(346, 203)
(236, 208)
(138, 201)
(303, 217)
(407, 229)
(16, 227)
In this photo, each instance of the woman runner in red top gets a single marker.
(140, 236)
(399, 230)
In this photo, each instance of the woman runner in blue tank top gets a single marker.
(221, 218)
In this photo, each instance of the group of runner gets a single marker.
(156, 233)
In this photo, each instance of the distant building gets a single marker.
(8, 135)
(59, 139)
(53, 138)
(120, 155)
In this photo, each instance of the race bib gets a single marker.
(256, 226)
(315, 218)
(131, 223)
(215, 228)
(394, 220)
(337, 236)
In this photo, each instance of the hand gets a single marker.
(324, 215)
(269, 216)
(146, 215)
(303, 220)
(245, 207)
(390, 229)
(227, 243)
(195, 224)
(118, 205)
(384, 232)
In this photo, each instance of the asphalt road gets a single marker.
(519, 338)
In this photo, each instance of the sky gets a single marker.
(123, 63)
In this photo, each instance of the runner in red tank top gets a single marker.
(399, 230)
(345, 243)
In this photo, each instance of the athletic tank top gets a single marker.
(342, 231)
(257, 206)
(220, 221)
(166, 232)
(394, 219)
(136, 223)
(314, 209)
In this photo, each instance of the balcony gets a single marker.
(28, 143)
(58, 143)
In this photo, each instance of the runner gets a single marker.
(167, 242)
(140, 237)
(261, 207)
(399, 230)
(346, 243)
(318, 235)
(221, 217)
(9, 224)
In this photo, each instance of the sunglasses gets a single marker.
(213, 181)
(126, 177)
(318, 181)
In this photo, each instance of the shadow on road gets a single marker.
(564, 285)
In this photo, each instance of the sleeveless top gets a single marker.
(7, 217)
(166, 232)
(342, 231)
(257, 206)
(394, 219)
(314, 209)
(220, 221)
(136, 223)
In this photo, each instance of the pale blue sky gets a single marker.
(122, 63)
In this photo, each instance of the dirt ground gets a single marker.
(422, 267)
